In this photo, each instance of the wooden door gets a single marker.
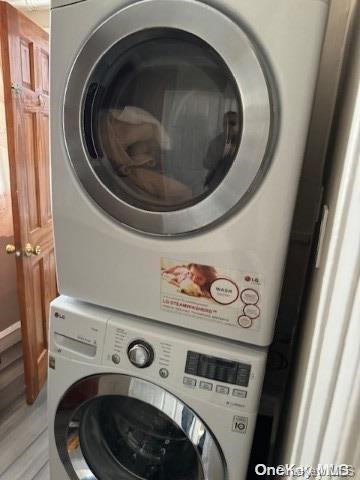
(25, 61)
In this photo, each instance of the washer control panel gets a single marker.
(225, 374)
(188, 364)
(217, 369)
(218, 375)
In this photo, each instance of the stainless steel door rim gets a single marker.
(251, 160)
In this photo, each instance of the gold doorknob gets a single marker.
(10, 249)
(30, 250)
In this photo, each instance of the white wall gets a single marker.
(37, 10)
(41, 17)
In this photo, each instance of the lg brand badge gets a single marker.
(239, 424)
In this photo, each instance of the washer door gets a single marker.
(167, 121)
(116, 427)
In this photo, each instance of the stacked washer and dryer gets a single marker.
(177, 134)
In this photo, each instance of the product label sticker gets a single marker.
(220, 295)
(239, 424)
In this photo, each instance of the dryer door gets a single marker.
(167, 122)
(116, 427)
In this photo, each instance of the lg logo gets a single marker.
(249, 278)
(239, 424)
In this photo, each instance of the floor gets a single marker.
(24, 441)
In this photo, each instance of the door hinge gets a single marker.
(16, 88)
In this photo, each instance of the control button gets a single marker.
(230, 377)
(210, 371)
(192, 362)
(115, 358)
(239, 393)
(190, 382)
(202, 370)
(164, 372)
(243, 375)
(244, 321)
(220, 373)
(249, 296)
(140, 354)
(206, 386)
(252, 311)
(223, 390)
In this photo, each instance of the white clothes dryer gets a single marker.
(132, 399)
(177, 135)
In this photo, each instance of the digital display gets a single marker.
(218, 369)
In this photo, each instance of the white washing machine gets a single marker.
(131, 399)
(178, 130)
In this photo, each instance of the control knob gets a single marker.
(140, 354)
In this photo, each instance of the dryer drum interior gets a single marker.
(162, 120)
(166, 129)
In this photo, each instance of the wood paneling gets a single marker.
(25, 56)
(52, 284)
(30, 152)
(44, 169)
(27, 63)
(44, 72)
(38, 287)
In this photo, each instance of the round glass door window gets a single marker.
(168, 128)
(162, 120)
(124, 438)
(116, 427)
